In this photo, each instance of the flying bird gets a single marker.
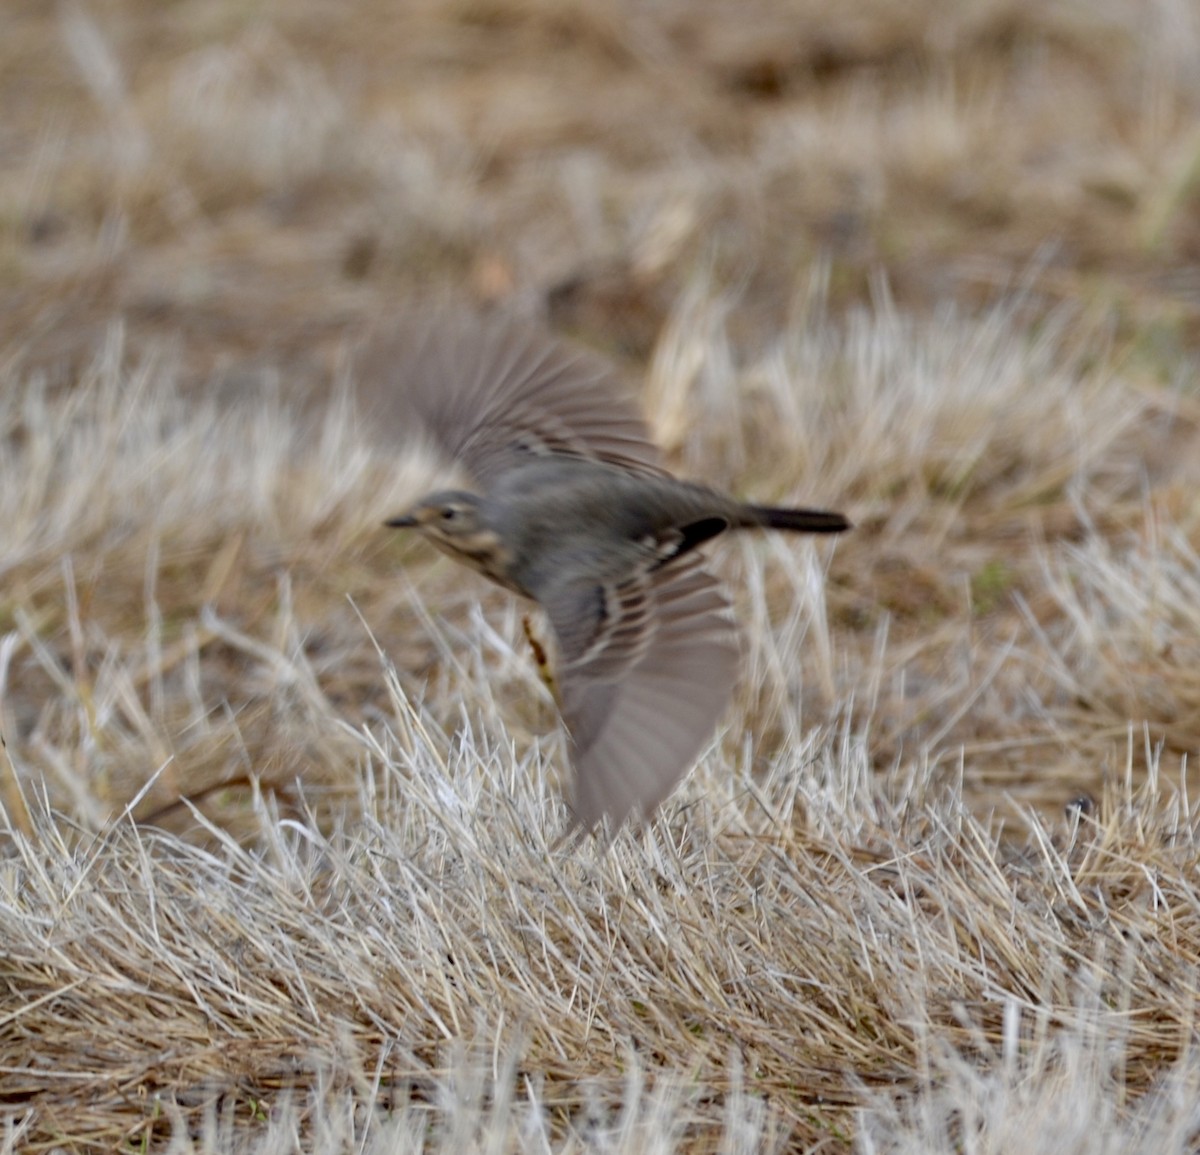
(569, 506)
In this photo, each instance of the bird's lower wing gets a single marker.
(648, 667)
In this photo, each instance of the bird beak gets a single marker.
(404, 521)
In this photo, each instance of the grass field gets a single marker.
(280, 789)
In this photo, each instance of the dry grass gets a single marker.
(279, 791)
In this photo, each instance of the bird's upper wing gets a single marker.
(491, 391)
(647, 667)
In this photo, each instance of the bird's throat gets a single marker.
(482, 552)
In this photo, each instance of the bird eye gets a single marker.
(449, 513)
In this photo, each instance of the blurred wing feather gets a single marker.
(490, 392)
(644, 680)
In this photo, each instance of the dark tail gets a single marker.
(799, 520)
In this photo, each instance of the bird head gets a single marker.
(455, 522)
(450, 516)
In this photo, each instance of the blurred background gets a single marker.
(245, 180)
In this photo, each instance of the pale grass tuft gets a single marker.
(1039, 1091)
(434, 968)
(341, 918)
(1126, 638)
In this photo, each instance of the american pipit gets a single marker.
(572, 509)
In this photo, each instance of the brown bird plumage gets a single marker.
(575, 511)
